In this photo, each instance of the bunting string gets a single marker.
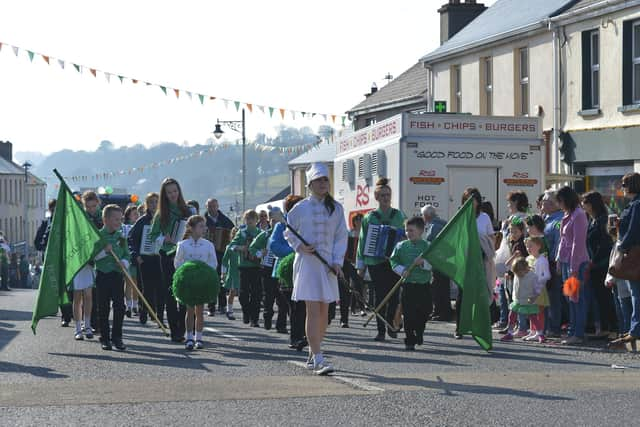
(106, 175)
(176, 92)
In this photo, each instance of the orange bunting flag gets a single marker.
(46, 58)
(177, 92)
(333, 118)
(135, 81)
(282, 113)
(250, 108)
(93, 71)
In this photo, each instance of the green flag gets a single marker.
(456, 252)
(72, 243)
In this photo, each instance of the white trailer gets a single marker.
(432, 158)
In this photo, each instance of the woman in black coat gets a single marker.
(599, 245)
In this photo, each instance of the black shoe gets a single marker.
(65, 324)
(230, 316)
(457, 335)
(143, 317)
(392, 334)
(177, 338)
(267, 324)
(410, 347)
(282, 330)
(420, 340)
(292, 345)
(134, 311)
(212, 312)
(344, 325)
(379, 337)
(301, 344)
(255, 324)
(245, 319)
(106, 345)
(128, 313)
(119, 345)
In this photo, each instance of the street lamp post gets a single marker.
(238, 126)
(25, 194)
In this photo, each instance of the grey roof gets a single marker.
(9, 168)
(325, 152)
(409, 86)
(505, 18)
(581, 4)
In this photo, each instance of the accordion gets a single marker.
(148, 246)
(381, 239)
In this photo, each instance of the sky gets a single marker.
(314, 56)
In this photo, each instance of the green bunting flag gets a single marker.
(30, 55)
(164, 89)
(201, 98)
(237, 104)
(271, 111)
(456, 252)
(77, 67)
(73, 241)
(121, 78)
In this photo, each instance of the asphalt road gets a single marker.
(248, 376)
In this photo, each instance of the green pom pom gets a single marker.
(194, 283)
(285, 271)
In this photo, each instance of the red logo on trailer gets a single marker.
(362, 196)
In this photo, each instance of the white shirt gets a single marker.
(196, 250)
(484, 224)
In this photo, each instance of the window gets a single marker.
(456, 89)
(636, 62)
(590, 70)
(486, 79)
(369, 121)
(523, 71)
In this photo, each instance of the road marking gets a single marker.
(357, 384)
(222, 334)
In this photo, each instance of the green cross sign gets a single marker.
(440, 106)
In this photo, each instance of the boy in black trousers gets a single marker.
(109, 277)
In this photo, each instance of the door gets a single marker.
(484, 179)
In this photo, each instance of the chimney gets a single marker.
(6, 151)
(374, 89)
(455, 15)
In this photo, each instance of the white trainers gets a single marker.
(324, 368)
(310, 363)
(79, 336)
(531, 337)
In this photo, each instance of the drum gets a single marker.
(220, 237)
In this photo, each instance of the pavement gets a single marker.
(248, 376)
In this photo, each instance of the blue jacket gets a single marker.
(278, 246)
(552, 232)
(629, 233)
(437, 224)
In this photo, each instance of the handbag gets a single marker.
(626, 265)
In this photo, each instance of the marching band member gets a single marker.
(195, 248)
(416, 292)
(319, 220)
(109, 278)
(270, 286)
(131, 299)
(172, 209)
(91, 204)
(382, 275)
(249, 266)
(216, 219)
(230, 275)
(280, 248)
(149, 271)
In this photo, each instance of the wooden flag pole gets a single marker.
(132, 283)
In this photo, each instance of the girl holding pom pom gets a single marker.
(195, 248)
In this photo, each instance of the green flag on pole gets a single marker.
(72, 243)
(456, 253)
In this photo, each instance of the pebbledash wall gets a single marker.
(505, 82)
(605, 134)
